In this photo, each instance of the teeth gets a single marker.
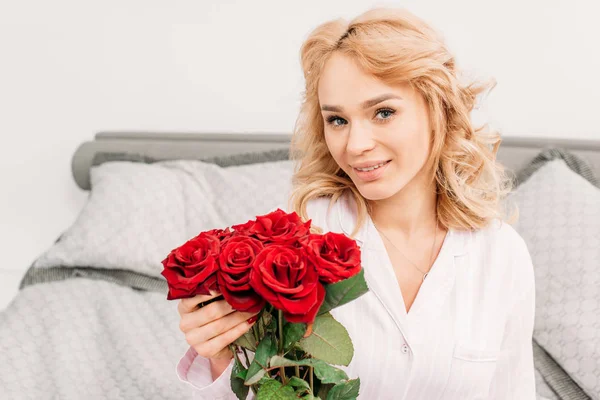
(372, 168)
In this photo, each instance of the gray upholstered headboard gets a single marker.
(514, 153)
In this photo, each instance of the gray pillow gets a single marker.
(222, 161)
(137, 212)
(560, 222)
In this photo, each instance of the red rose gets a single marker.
(336, 256)
(287, 279)
(191, 268)
(276, 227)
(222, 234)
(235, 263)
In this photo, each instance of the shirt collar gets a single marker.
(459, 240)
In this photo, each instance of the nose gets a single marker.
(360, 139)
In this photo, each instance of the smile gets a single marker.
(373, 167)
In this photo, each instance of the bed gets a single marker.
(91, 318)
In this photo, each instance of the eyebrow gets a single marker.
(365, 104)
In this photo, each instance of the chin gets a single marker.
(378, 192)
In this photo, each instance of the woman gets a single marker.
(387, 154)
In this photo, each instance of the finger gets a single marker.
(205, 315)
(215, 328)
(190, 304)
(214, 347)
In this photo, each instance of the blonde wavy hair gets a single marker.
(397, 47)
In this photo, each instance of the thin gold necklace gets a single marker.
(414, 265)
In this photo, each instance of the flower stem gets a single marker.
(255, 334)
(247, 358)
(233, 348)
(282, 372)
(310, 377)
(260, 324)
(280, 326)
(296, 367)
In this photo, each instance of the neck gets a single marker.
(410, 213)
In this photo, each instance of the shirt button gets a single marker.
(404, 348)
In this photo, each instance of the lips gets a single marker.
(371, 174)
(370, 164)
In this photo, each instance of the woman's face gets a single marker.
(368, 122)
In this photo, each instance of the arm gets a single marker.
(515, 374)
(196, 371)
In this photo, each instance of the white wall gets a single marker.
(71, 68)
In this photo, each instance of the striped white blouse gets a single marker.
(468, 334)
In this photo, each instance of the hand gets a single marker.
(210, 328)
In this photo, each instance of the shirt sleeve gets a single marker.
(195, 370)
(515, 374)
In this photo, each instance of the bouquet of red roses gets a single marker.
(274, 265)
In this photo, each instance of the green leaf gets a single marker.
(266, 348)
(273, 390)
(246, 340)
(324, 390)
(238, 374)
(342, 292)
(299, 383)
(325, 372)
(345, 391)
(264, 379)
(267, 319)
(329, 341)
(292, 333)
(242, 374)
(271, 323)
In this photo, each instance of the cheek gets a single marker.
(410, 151)
(336, 149)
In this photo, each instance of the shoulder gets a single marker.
(317, 205)
(499, 236)
(320, 211)
(324, 213)
(503, 249)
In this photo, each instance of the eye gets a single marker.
(385, 111)
(332, 121)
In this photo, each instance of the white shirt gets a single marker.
(467, 335)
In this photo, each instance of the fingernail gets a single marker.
(252, 318)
